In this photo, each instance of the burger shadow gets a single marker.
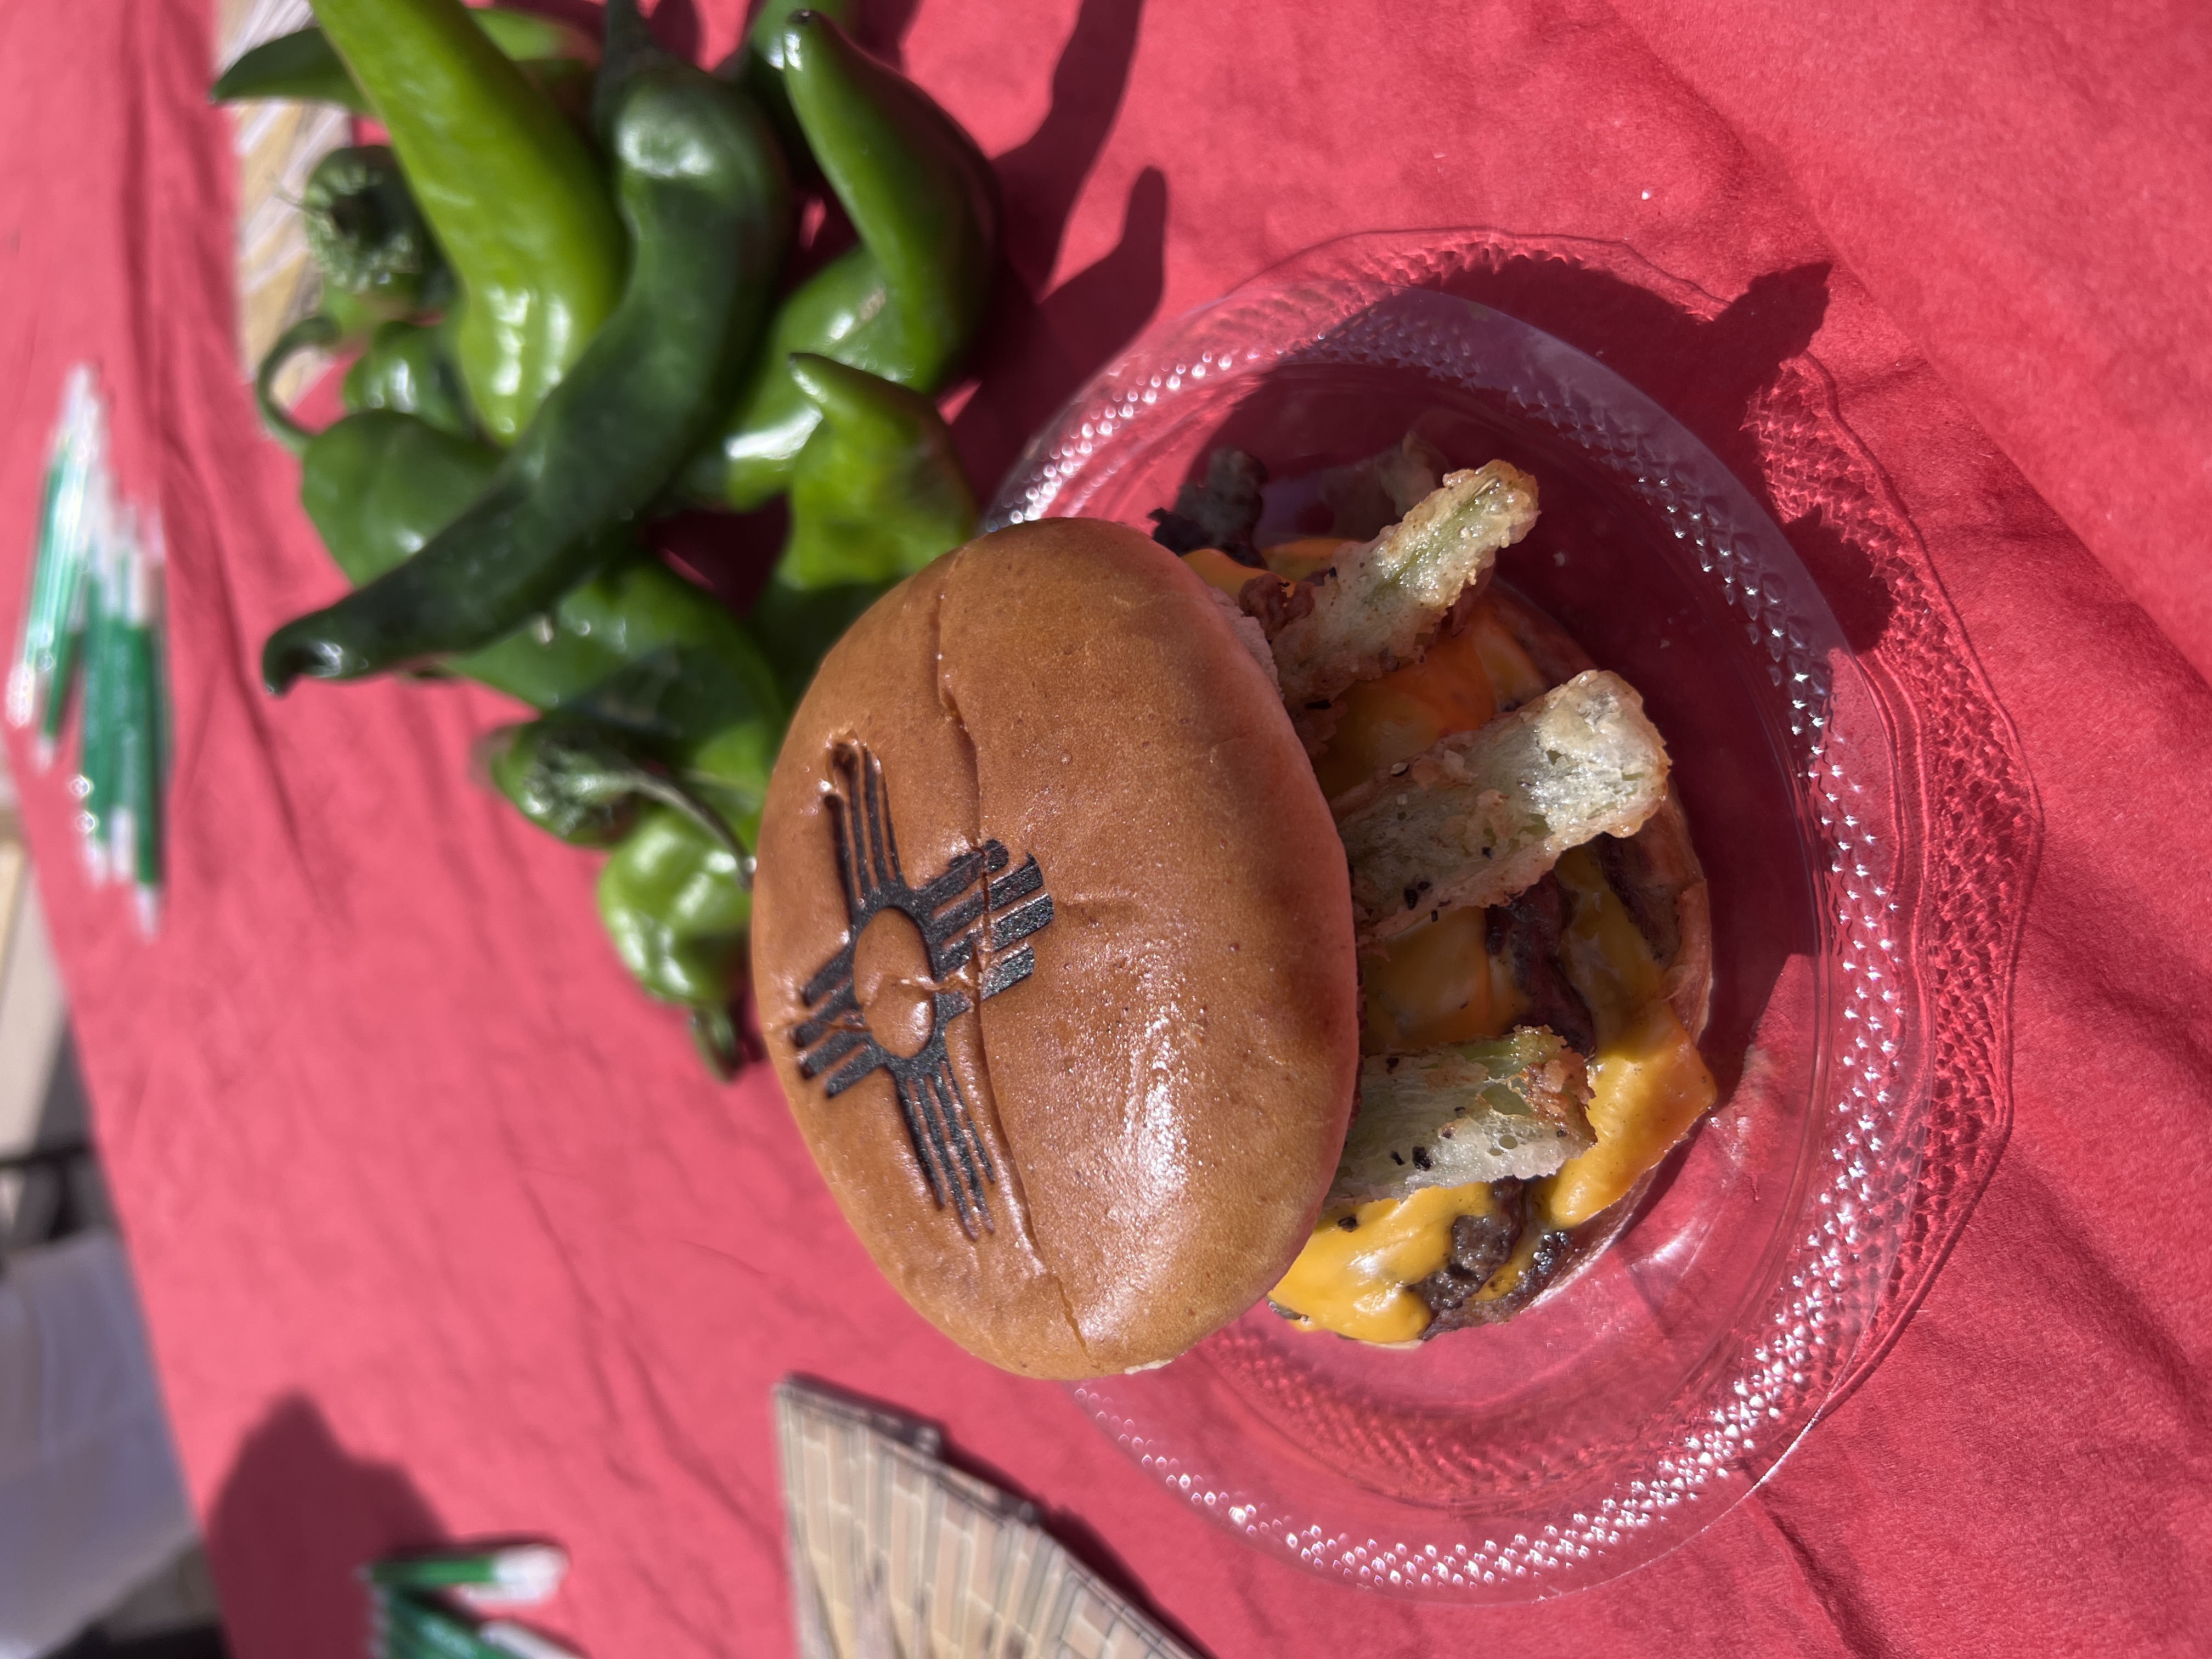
(296, 1518)
(1044, 341)
(1710, 374)
(1041, 351)
(1063, 1527)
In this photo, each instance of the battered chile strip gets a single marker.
(1381, 600)
(1463, 1112)
(906, 303)
(1483, 814)
(703, 189)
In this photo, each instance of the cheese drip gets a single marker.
(1648, 1082)
(1356, 1281)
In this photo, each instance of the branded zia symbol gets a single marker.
(864, 1018)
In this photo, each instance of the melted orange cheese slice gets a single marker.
(1648, 1082)
(1355, 1281)
(1436, 983)
(1296, 560)
(1397, 717)
(1513, 675)
(1217, 569)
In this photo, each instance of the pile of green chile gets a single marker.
(565, 278)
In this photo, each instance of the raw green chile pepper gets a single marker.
(299, 65)
(643, 652)
(380, 484)
(757, 66)
(878, 491)
(700, 712)
(675, 901)
(584, 792)
(406, 368)
(907, 302)
(365, 231)
(586, 782)
(876, 494)
(378, 263)
(558, 56)
(663, 656)
(659, 696)
(320, 332)
(796, 627)
(509, 187)
(702, 187)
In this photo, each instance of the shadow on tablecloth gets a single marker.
(296, 1516)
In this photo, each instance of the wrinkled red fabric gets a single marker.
(440, 1231)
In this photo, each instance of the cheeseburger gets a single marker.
(1148, 926)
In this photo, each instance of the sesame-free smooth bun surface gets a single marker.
(1132, 1137)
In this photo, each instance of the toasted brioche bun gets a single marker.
(1129, 1141)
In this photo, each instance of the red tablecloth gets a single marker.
(439, 1226)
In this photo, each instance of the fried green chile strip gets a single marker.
(509, 187)
(1481, 816)
(907, 303)
(702, 187)
(1386, 597)
(305, 65)
(1465, 1112)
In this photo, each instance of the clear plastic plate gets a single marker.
(1773, 1251)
